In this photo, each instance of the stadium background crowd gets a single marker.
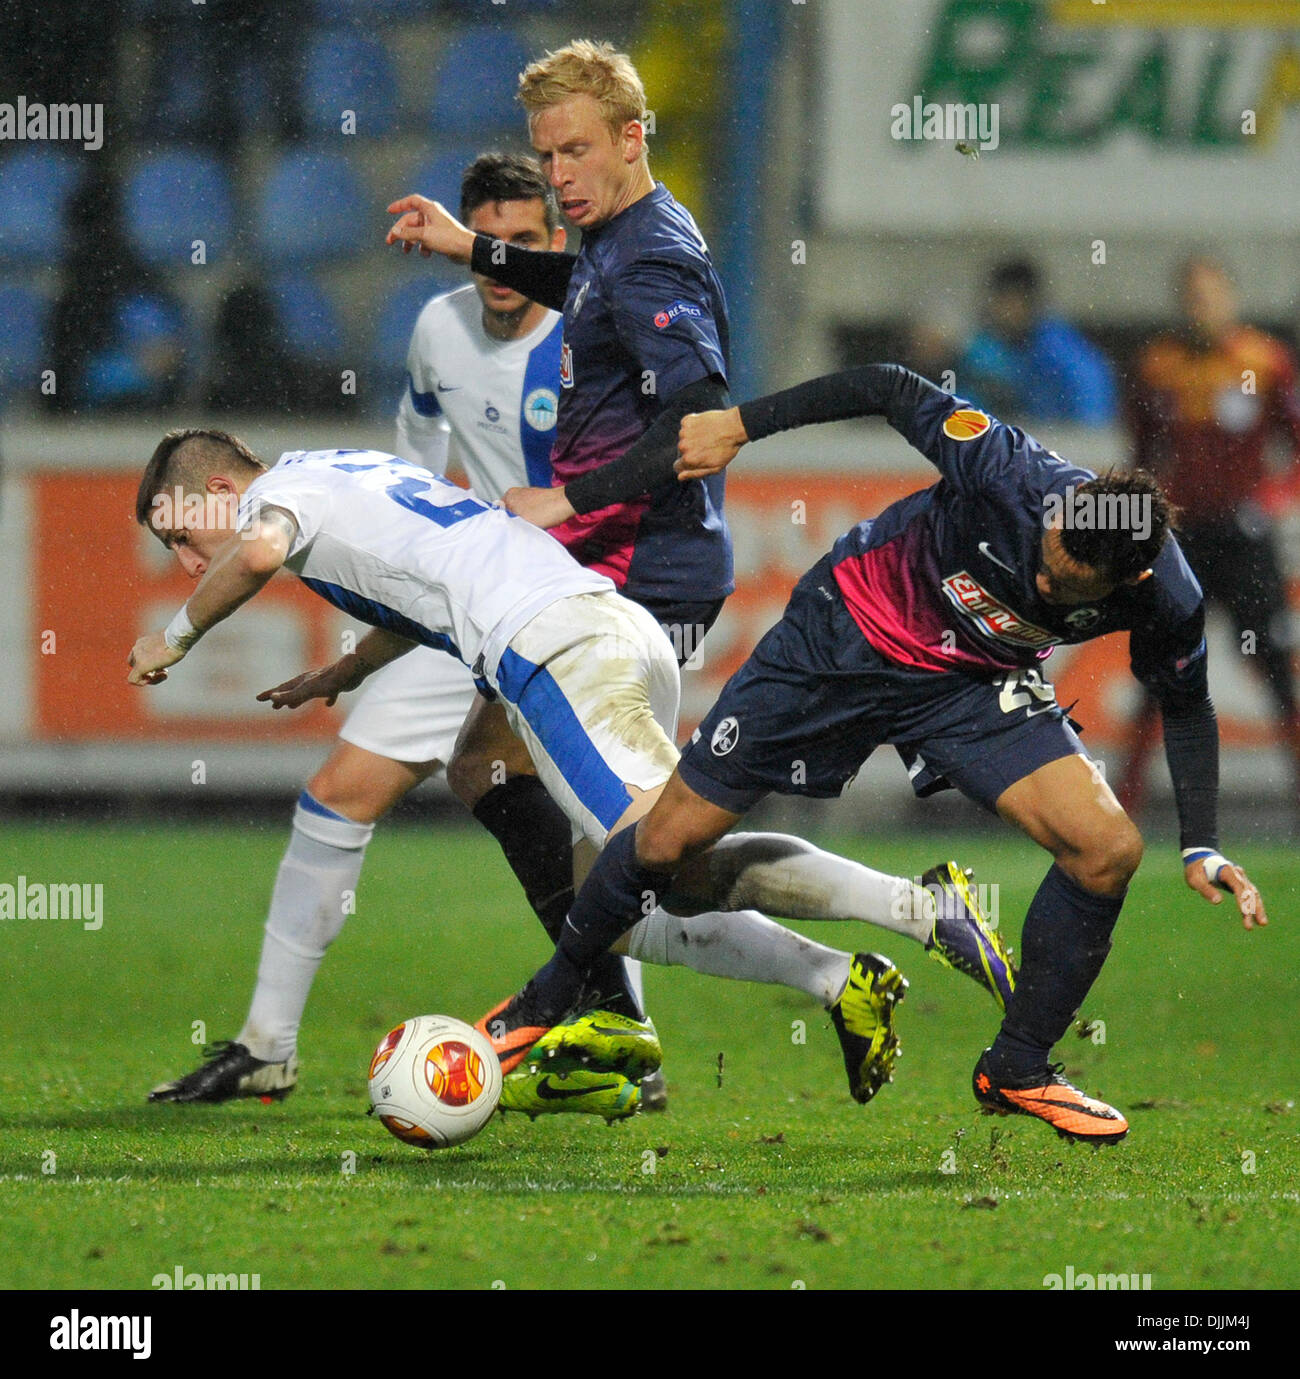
(221, 257)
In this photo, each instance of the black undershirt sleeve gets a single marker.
(1167, 654)
(1192, 751)
(542, 276)
(649, 463)
(887, 390)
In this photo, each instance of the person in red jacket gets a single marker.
(1210, 398)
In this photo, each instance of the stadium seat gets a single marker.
(476, 78)
(439, 177)
(396, 320)
(308, 322)
(35, 185)
(142, 361)
(172, 199)
(312, 207)
(25, 313)
(348, 71)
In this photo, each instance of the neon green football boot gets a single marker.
(584, 1091)
(601, 1041)
(864, 1020)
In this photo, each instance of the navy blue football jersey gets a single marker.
(644, 317)
(945, 579)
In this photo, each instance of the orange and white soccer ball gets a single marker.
(434, 1081)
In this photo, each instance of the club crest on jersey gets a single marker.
(566, 366)
(992, 616)
(725, 737)
(665, 318)
(965, 424)
(541, 408)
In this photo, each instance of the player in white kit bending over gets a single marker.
(588, 681)
(483, 367)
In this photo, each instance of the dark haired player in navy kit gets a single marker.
(927, 628)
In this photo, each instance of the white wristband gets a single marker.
(1214, 862)
(180, 634)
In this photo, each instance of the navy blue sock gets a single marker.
(617, 894)
(1065, 941)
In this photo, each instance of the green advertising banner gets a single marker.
(1142, 114)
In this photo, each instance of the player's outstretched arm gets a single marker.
(542, 275)
(376, 649)
(429, 227)
(1170, 661)
(238, 570)
(643, 467)
(707, 442)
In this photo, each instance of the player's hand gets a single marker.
(707, 442)
(543, 507)
(149, 659)
(1232, 877)
(429, 227)
(327, 683)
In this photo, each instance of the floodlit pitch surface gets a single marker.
(768, 1177)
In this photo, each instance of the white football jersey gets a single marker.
(488, 405)
(410, 551)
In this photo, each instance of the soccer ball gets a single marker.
(434, 1081)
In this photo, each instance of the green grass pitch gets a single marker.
(768, 1177)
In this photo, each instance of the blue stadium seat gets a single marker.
(439, 177)
(477, 76)
(396, 319)
(308, 321)
(172, 199)
(35, 185)
(312, 207)
(138, 362)
(25, 313)
(348, 71)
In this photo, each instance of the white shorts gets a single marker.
(412, 709)
(591, 686)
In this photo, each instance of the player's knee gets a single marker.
(470, 776)
(334, 788)
(1108, 866)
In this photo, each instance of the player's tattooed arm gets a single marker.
(375, 650)
(238, 570)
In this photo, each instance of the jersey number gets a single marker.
(1021, 689)
(408, 489)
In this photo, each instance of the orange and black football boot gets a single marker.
(512, 1029)
(1050, 1097)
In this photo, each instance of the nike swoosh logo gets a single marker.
(988, 555)
(550, 1093)
(455, 388)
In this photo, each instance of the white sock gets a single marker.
(741, 945)
(315, 891)
(635, 980)
(785, 876)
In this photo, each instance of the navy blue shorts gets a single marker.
(686, 624)
(815, 699)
